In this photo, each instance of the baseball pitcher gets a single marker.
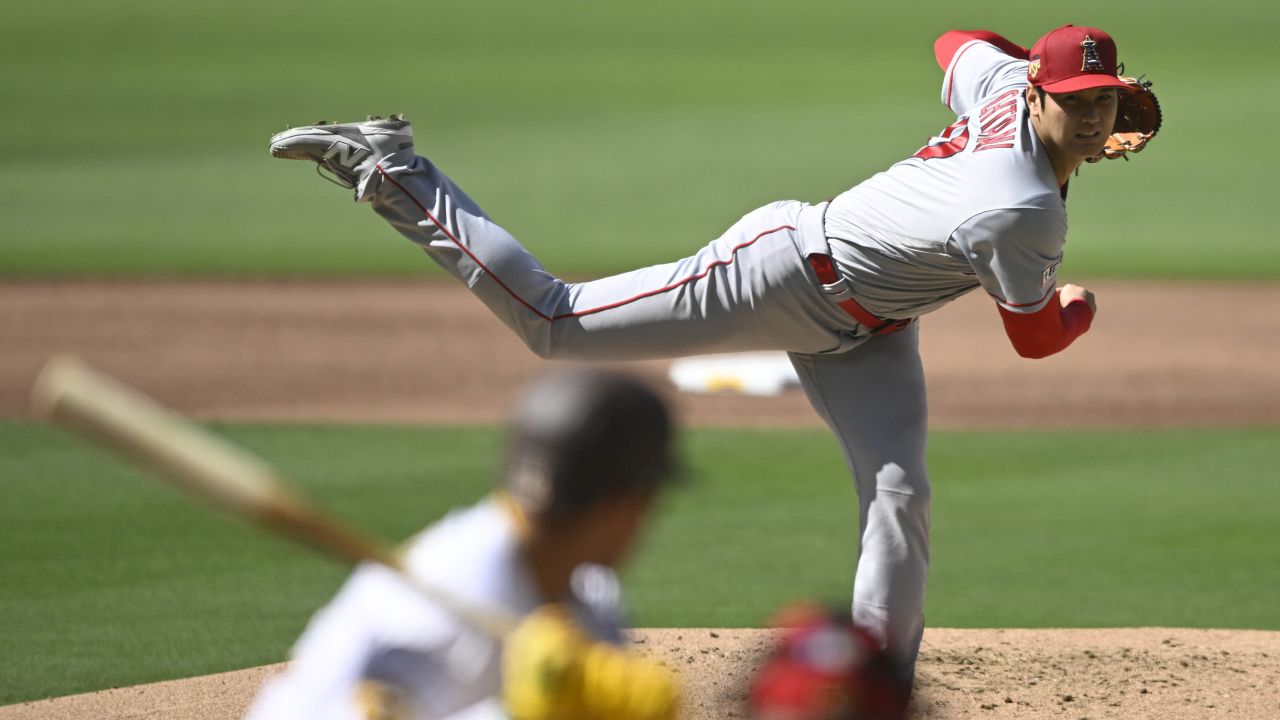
(838, 284)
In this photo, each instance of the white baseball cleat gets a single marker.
(349, 151)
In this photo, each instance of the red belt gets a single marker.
(826, 272)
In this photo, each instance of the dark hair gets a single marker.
(584, 436)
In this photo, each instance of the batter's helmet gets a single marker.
(582, 436)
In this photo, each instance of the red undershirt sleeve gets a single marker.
(945, 47)
(1048, 330)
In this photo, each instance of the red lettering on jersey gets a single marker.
(953, 140)
(995, 127)
(1004, 101)
(995, 142)
(999, 122)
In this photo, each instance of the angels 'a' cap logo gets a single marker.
(1090, 62)
(1034, 68)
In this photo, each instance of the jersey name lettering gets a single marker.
(999, 122)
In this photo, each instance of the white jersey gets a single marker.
(979, 205)
(379, 642)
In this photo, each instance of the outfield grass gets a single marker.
(606, 135)
(107, 579)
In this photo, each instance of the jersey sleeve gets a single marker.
(1015, 254)
(1049, 330)
(978, 64)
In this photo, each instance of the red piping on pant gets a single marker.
(591, 311)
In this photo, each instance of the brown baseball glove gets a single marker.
(1138, 120)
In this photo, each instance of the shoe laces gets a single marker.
(334, 176)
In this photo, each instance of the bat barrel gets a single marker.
(70, 394)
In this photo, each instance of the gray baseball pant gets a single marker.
(750, 289)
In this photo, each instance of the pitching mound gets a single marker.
(1116, 673)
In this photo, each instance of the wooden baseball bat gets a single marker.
(70, 394)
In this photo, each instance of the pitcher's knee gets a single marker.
(540, 346)
(540, 336)
(553, 345)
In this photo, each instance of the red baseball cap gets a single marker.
(1073, 58)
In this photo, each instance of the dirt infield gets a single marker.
(1159, 355)
(1017, 674)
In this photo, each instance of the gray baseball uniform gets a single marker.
(979, 205)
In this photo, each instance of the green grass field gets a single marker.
(605, 135)
(107, 579)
